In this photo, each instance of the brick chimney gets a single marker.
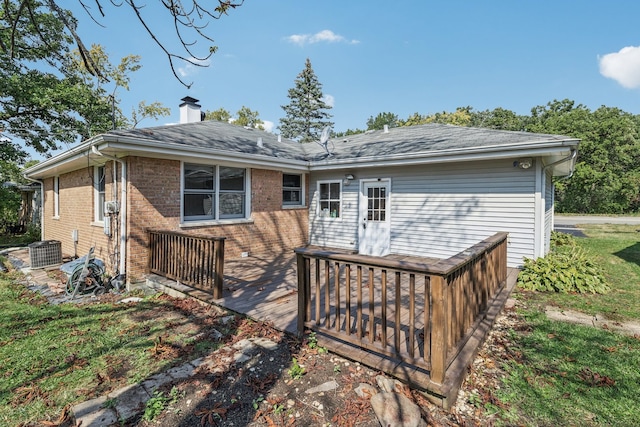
(190, 110)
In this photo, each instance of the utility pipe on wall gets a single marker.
(123, 206)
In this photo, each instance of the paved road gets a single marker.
(568, 220)
(570, 223)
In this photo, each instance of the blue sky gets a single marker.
(390, 56)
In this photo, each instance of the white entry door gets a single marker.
(374, 231)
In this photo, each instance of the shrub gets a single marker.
(566, 268)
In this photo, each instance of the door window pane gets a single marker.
(376, 204)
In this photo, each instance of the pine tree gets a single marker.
(306, 114)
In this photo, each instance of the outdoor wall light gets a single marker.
(348, 178)
(523, 163)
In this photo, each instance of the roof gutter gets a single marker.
(443, 156)
(572, 156)
(123, 206)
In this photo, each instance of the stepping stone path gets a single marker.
(127, 402)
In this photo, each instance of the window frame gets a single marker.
(214, 192)
(319, 212)
(301, 198)
(99, 192)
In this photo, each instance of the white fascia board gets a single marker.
(133, 146)
(448, 156)
(80, 152)
(122, 147)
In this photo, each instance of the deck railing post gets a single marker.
(303, 273)
(439, 329)
(219, 260)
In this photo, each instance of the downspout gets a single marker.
(123, 207)
(570, 157)
(41, 204)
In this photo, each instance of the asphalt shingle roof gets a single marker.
(218, 136)
(427, 138)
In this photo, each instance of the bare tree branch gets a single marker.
(187, 15)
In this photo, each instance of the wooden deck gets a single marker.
(262, 287)
(265, 288)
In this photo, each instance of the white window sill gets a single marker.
(328, 218)
(97, 223)
(57, 217)
(294, 207)
(213, 223)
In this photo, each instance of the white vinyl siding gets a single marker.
(440, 210)
(339, 232)
(548, 210)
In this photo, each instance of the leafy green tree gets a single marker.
(49, 96)
(10, 199)
(378, 122)
(498, 118)
(347, 133)
(220, 115)
(307, 113)
(461, 117)
(115, 78)
(144, 111)
(413, 120)
(42, 95)
(607, 174)
(247, 117)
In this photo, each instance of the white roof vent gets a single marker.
(260, 143)
(386, 128)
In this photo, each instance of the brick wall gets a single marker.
(76, 212)
(154, 202)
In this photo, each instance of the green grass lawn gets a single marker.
(617, 250)
(55, 355)
(19, 240)
(563, 374)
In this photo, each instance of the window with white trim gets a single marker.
(56, 196)
(330, 199)
(292, 189)
(99, 193)
(213, 192)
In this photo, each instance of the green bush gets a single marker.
(566, 268)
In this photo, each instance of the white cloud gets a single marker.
(329, 100)
(190, 68)
(622, 66)
(268, 126)
(326, 36)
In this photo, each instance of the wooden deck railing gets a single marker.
(192, 260)
(420, 314)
